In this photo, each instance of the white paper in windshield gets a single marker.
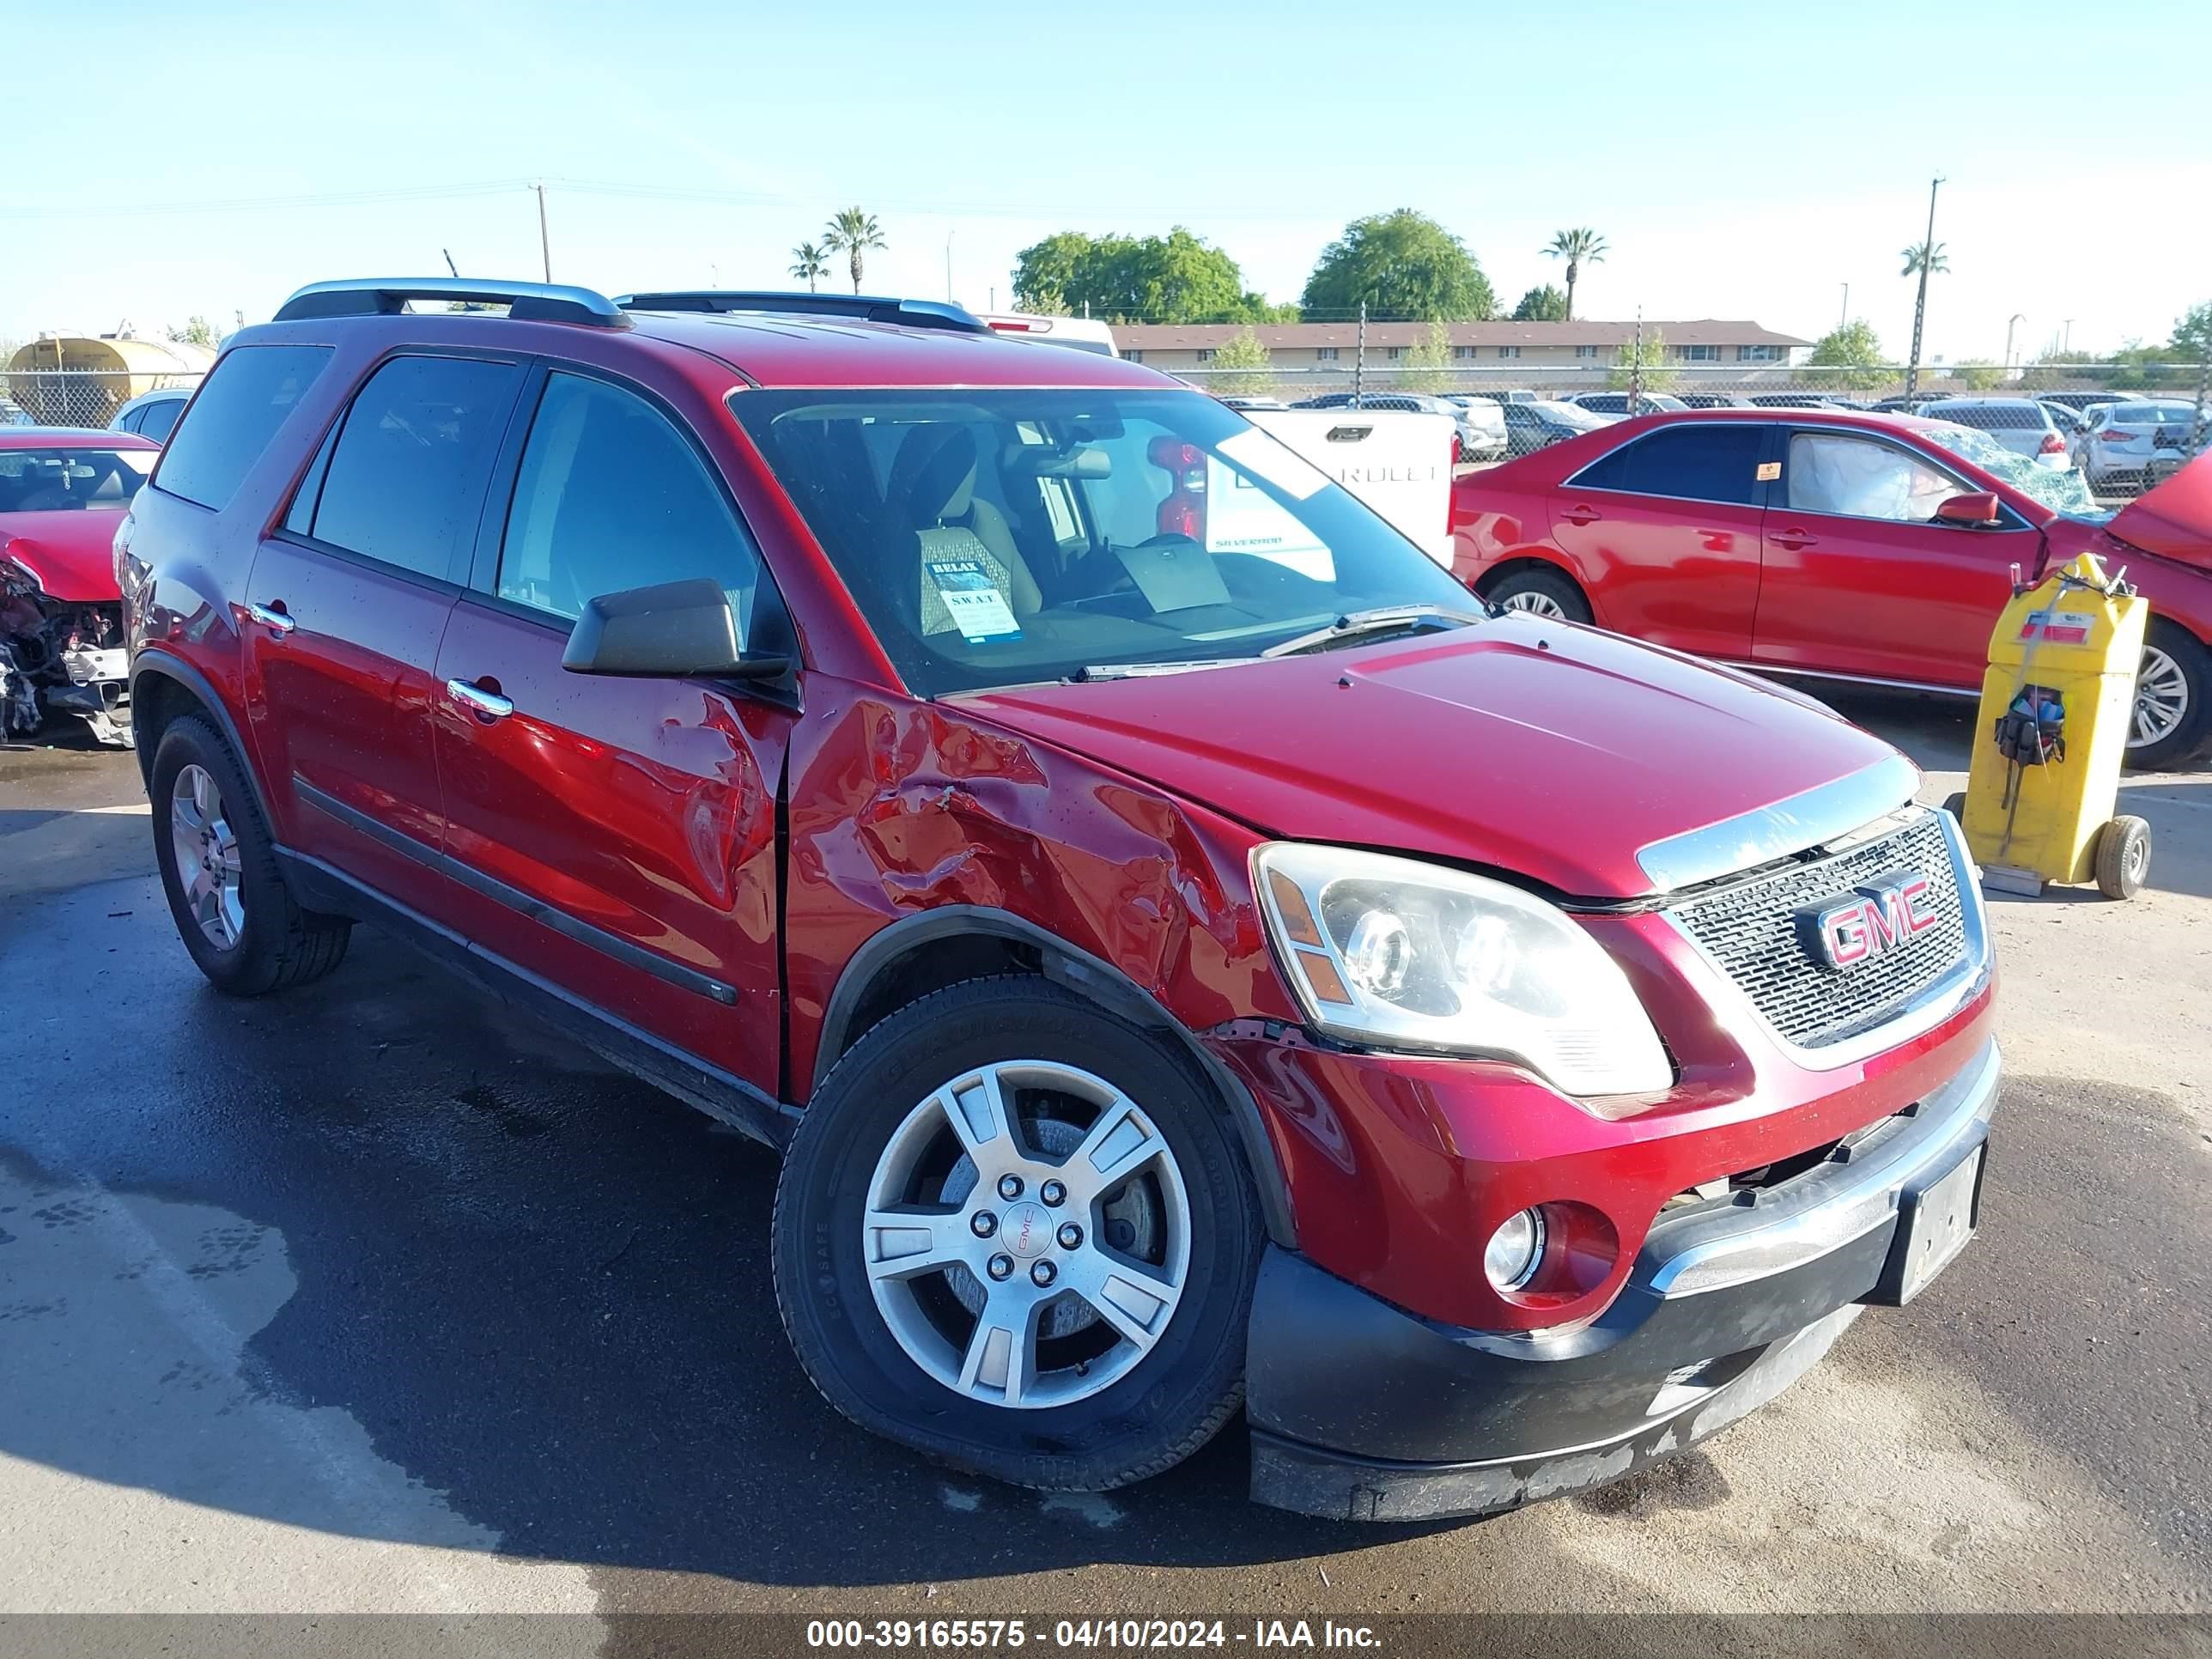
(972, 600)
(1281, 466)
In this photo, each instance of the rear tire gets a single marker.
(2175, 666)
(1542, 592)
(1095, 1401)
(235, 916)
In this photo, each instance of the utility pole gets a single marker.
(2018, 318)
(544, 248)
(2067, 342)
(1844, 317)
(1360, 358)
(1920, 303)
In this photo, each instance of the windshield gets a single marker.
(2066, 492)
(2152, 414)
(1002, 536)
(71, 480)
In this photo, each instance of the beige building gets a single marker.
(1550, 352)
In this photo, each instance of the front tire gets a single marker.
(219, 871)
(1012, 1233)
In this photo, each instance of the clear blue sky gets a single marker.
(1743, 159)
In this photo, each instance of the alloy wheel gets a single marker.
(1028, 1233)
(2161, 699)
(1536, 602)
(207, 856)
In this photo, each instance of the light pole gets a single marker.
(1844, 317)
(1920, 303)
(2067, 342)
(2018, 318)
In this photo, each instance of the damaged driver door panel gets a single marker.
(617, 834)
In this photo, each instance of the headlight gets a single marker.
(1409, 955)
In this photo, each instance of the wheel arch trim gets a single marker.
(202, 691)
(1080, 970)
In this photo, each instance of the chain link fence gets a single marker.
(2123, 426)
(76, 397)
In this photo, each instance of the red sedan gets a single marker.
(1846, 546)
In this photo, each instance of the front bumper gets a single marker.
(1362, 1411)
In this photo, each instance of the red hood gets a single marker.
(72, 554)
(1525, 746)
(2174, 520)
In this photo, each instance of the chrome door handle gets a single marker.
(490, 704)
(275, 621)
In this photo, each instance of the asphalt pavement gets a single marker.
(380, 1298)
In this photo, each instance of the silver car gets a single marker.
(152, 414)
(1613, 405)
(2121, 440)
(1482, 425)
(2019, 424)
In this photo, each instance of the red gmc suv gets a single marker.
(1183, 970)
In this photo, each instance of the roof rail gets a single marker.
(860, 308)
(387, 296)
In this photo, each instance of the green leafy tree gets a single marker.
(1578, 248)
(1176, 278)
(2192, 334)
(810, 264)
(1542, 304)
(197, 330)
(1643, 364)
(1245, 355)
(1428, 365)
(1977, 375)
(852, 233)
(2058, 368)
(1401, 264)
(1851, 358)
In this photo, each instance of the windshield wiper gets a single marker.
(1137, 671)
(1384, 619)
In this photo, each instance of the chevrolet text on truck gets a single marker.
(1180, 980)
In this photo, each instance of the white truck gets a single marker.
(1399, 463)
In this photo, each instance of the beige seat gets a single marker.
(933, 488)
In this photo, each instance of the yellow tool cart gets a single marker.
(2053, 731)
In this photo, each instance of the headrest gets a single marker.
(934, 473)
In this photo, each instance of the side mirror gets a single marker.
(665, 632)
(1976, 508)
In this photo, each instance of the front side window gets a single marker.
(406, 477)
(245, 398)
(999, 537)
(1856, 478)
(1716, 463)
(157, 420)
(611, 496)
(87, 480)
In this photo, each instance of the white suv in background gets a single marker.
(2123, 439)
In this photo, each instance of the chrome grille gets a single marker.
(1750, 932)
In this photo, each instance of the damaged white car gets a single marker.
(62, 493)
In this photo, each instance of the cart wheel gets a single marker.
(1956, 806)
(2123, 857)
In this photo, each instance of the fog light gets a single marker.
(1510, 1257)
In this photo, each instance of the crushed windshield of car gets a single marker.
(1003, 537)
(71, 480)
(2066, 492)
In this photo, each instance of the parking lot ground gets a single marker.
(378, 1296)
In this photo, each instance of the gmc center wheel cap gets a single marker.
(1025, 1230)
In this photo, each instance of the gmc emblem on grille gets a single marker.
(1874, 919)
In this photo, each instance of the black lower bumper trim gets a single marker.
(1289, 1474)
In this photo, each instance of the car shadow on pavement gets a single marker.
(380, 1257)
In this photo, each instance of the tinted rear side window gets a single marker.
(1990, 417)
(406, 478)
(156, 421)
(1693, 462)
(245, 400)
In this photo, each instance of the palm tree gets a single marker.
(1927, 255)
(852, 233)
(809, 264)
(1577, 247)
